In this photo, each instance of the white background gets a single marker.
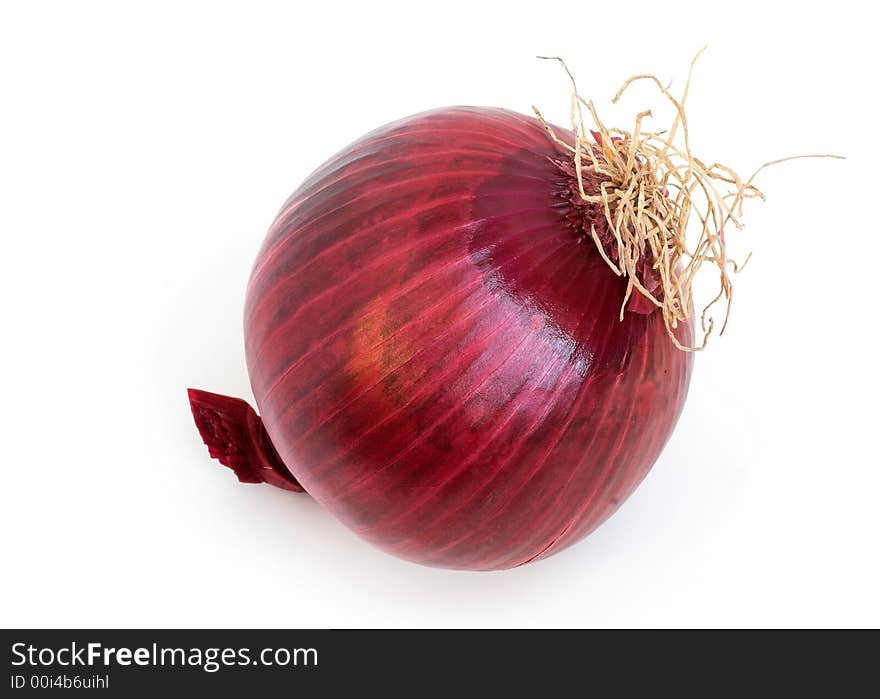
(144, 150)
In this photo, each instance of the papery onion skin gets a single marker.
(437, 351)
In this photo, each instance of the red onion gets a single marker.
(437, 350)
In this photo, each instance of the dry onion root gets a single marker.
(651, 187)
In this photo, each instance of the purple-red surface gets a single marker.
(436, 352)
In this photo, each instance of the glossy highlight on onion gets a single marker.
(437, 350)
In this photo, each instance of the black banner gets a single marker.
(409, 663)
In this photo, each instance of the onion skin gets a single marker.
(437, 353)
